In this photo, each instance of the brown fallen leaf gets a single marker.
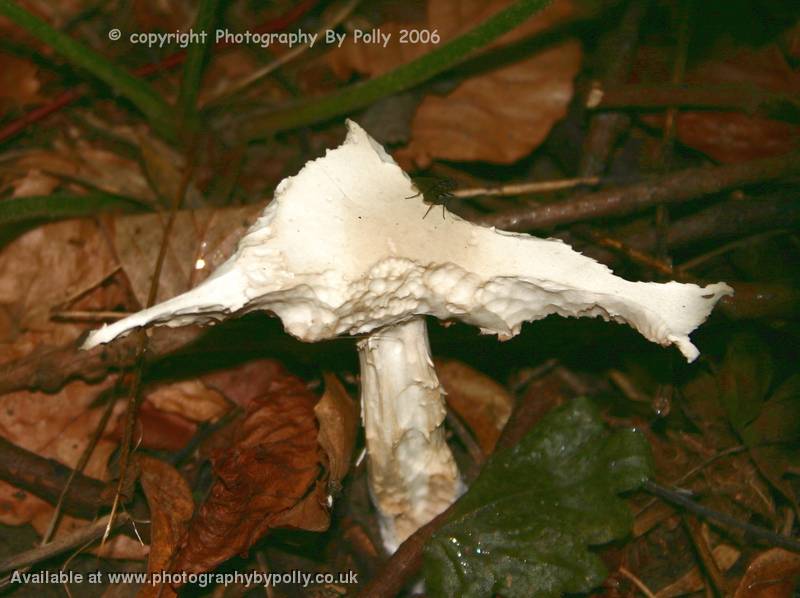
(270, 476)
(171, 506)
(478, 120)
(247, 382)
(190, 399)
(724, 556)
(774, 573)
(19, 83)
(337, 415)
(199, 242)
(734, 136)
(477, 399)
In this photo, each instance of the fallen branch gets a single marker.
(741, 98)
(48, 370)
(79, 537)
(46, 479)
(755, 531)
(675, 187)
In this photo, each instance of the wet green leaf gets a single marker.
(525, 526)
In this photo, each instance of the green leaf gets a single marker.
(524, 527)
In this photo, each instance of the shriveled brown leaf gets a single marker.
(724, 556)
(247, 382)
(190, 399)
(171, 506)
(477, 399)
(337, 415)
(199, 242)
(736, 136)
(774, 573)
(478, 120)
(268, 477)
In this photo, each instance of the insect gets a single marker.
(435, 192)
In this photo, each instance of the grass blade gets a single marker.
(138, 92)
(412, 73)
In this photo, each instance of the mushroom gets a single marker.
(344, 248)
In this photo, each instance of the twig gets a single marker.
(706, 556)
(741, 98)
(675, 187)
(79, 537)
(618, 49)
(49, 369)
(89, 316)
(134, 397)
(637, 582)
(245, 82)
(757, 532)
(524, 188)
(46, 477)
(80, 466)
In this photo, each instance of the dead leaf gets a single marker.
(19, 83)
(171, 506)
(268, 477)
(199, 242)
(478, 120)
(190, 399)
(774, 573)
(725, 556)
(158, 430)
(734, 136)
(337, 415)
(477, 399)
(246, 382)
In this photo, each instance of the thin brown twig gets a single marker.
(134, 398)
(637, 582)
(79, 467)
(741, 98)
(679, 186)
(257, 75)
(707, 560)
(525, 188)
(79, 537)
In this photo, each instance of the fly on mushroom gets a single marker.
(435, 192)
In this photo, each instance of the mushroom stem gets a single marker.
(412, 474)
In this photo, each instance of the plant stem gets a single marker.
(408, 75)
(138, 92)
(193, 67)
(63, 205)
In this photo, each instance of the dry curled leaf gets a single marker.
(338, 423)
(190, 399)
(774, 573)
(268, 477)
(171, 506)
(477, 399)
(478, 120)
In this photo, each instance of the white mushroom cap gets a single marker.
(343, 248)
